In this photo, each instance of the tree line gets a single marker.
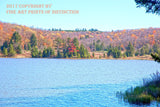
(71, 48)
(129, 51)
(63, 48)
(76, 30)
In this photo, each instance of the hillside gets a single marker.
(138, 37)
(46, 38)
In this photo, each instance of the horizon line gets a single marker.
(50, 29)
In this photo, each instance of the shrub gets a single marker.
(140, 99)
(144, 94)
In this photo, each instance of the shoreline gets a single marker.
(146, 57)
(27, 54)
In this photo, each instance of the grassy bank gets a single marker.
(145, 94)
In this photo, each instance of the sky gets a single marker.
(104, 15)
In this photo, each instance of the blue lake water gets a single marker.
(69, 83)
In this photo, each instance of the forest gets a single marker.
(79, 43)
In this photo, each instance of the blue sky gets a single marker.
(105, 15)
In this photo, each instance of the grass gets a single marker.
(145, 94)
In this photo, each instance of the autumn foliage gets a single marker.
(47, 38)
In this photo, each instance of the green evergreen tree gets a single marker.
(94, 45)
(45, 53)
(130, 50)
(137, 53)
(155, 53)
(59, 55)
(98, 47)
(5, 51)
(102, 46)
(65, 55)
(155, 48)
(62, 55)
(16, 42)
(25, 47)
(110, 52)
(71, 55)
(146, 47)
(48, 52)
(115, 52)
(29, 46)
(16, 38)
(151, 51)
(142, 51)
(53, 53)
(33, 40)
(124, 55)
(11, 52)
(34, 52)
(76, 42)
(78, 55)
(5, 44)
(58, 43)
(40, 54)
(19, 50)
(87, 55)
(82, 51)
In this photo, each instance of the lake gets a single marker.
(69, 83)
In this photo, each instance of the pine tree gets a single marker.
(40, 54)
(82, 51)
(142, 51)
(45, 53)
(59, 55)
(16, 38)
(29, 46)
(155, 48)
(58, 43)
(12, 52)
(76, 42)
(5, 44)
(25, 47)
(130, 50)
(19, 50)
(5, 51)
(53, 53)
(65, 55)
(137, 53)
(34, 52)
(78, 56)
(33, 40)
